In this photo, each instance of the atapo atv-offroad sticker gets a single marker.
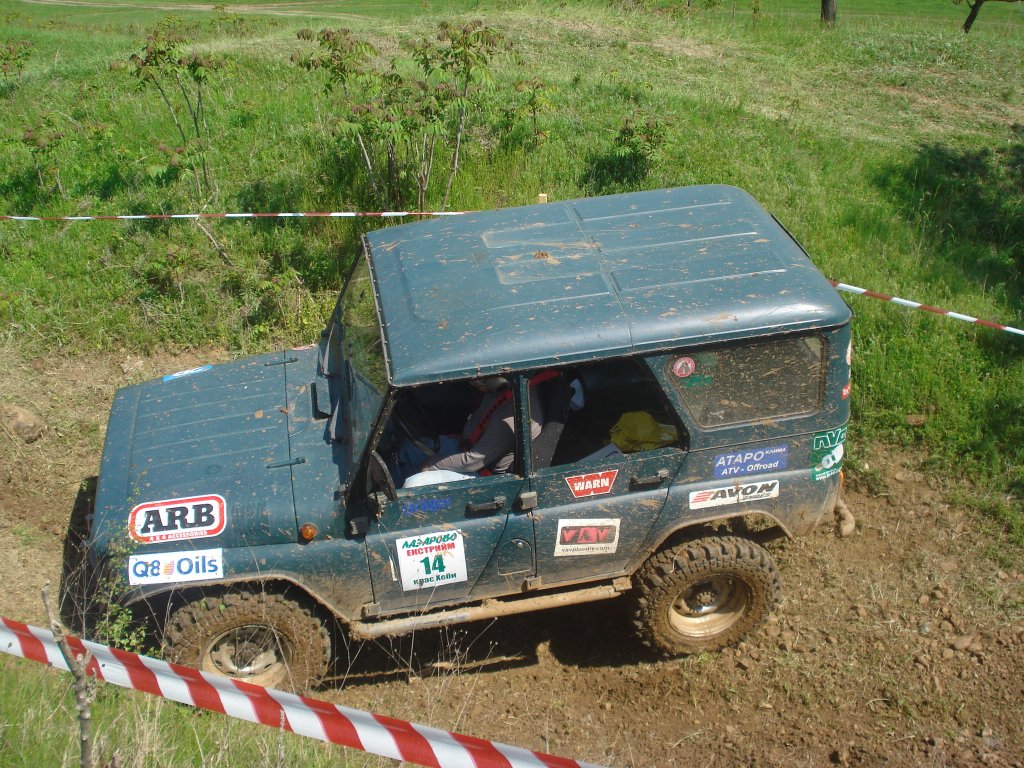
(734, 494)
(771, 459)
(431, 560)
(172, 567)
(587, 537)
(594, 484)
(193, 517)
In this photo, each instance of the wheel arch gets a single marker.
(755, 524)
(159, 604)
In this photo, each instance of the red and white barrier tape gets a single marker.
(397, 739)
(926, 307)
(399, 214)
(303, 215)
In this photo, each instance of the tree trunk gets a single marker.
(972, 15)
(828, 12)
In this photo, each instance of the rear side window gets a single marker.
(767, 380)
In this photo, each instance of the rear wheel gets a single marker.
(257, 637)
(705, 594)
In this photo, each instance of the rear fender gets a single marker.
(755, 524)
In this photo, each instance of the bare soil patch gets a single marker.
(901, 644)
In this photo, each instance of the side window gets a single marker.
(615, 407)
(767, 380)
(451, 432)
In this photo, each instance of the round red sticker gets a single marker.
(683, 367)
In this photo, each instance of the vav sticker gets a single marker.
(172, 567)
(194, 517)
(587, 537)
(431, 560)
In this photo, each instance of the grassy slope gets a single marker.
(890, 146)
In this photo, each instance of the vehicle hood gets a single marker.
(202, 457)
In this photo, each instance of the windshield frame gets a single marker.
(358, 397)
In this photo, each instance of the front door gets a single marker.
(446, 543)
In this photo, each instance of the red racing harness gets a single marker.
(499, 401)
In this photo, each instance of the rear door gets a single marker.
(609, 476)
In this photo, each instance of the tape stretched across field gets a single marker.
(281, 215)
(347, 727)
(401, 214)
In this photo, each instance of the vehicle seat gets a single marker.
(554, 395)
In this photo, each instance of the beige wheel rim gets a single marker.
(709, 607)
(252, 652)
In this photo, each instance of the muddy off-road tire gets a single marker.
(705, 594)
(257, 637)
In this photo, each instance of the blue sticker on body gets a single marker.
(425, 505)
(189, 372)
(751, 462)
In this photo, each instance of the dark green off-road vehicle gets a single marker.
(688, 367)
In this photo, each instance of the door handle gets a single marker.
(650, 481)
(485, 507)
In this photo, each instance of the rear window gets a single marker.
(766, 380)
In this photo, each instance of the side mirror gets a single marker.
(379, 481)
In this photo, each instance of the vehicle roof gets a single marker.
(580, 280)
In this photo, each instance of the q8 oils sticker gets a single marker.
(827, 453)
(173, 567)
(431, 560)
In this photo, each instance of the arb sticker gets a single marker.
(431, 560)
(594, 484)
(194, 517)
(734, 494)
(587, 537)
(172, 567)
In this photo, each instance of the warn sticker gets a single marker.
(733, 494)
(594, 484)
(587, 537)
(195, 517)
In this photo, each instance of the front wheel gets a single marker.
(705, 594)
(257, 637)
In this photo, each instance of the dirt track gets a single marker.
(901, 645)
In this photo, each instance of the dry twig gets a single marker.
(85, 686)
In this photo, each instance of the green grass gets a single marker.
(39, 729)
(890, 145)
